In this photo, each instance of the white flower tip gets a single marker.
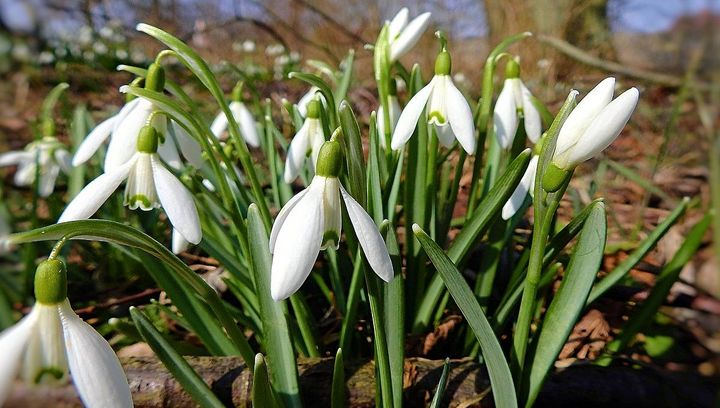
(528, 34)
(416, 228)
(279, 293)
(121, 67)
(124, 89)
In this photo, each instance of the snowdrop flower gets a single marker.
(591, 127)
(394, 113)
(403, 36)
(307, 141)
(515, 99)
(149, 185)
(123, 128)
(52, 340)
(302, 104)
(525, 186)
(49, 154)
(447, 109)
(312, 220)
(242, 116)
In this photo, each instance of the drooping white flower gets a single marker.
(123, 128)
(594, 124)
(52, 341)
(446, 109)
(514, 99)
(402, 36)
(149, 185)
(312, 93)
(525, 186)
(45, 157)
(312, 221)
(307, 141)
(245, 120)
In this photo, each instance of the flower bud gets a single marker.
(313, 109)
(147, 141)
(155, 79)
(51, 282)
(329, 162)
(443, 63)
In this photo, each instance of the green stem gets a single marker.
(382, 358)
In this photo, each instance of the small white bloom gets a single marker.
(521, 191)
(52, 340)
(48, 154)
(248, 46)
(149, 185)
(515, 98)
(245, 120)
(394, 113)
(403, 36)
(312, 221)
(594, 124)
(447, 109)
(309, 96)
(307, 141)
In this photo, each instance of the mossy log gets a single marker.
(468, 385)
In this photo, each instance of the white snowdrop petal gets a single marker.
(398, 23)
(179, 243)
(445, 135)
(282, 215)
(87, 202)
(296, 153)
(297, 244)
(95, 369)
(219, 124)
(48, 176)
(505, 121)
(409, 118)
(605, 128)
(303, 102)
(189, 147)
(25, 174)
(369, 238)
(13, 158)
(123, 143)
(169, 153)
(13, 342)
(533, 124)
(409, 36)
(521, 191)
(247, 124)
(64, 160)
(460, 117)
(94, 140)
(177, 202)
(583, 114)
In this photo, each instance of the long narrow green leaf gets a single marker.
(638, 254)
(440, 390)
(354, 156)
(497, 366)
(667, 277)
(569, 301)
(487, 211)
(394, 309)
(275, 329)
(262, 393)
(114, 232)
(337, 394)
(175, 363)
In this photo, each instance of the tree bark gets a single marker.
(581, 385)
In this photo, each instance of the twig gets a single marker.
(582, 56)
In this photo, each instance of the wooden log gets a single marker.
(581, 385)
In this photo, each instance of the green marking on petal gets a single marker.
(436, 117)
(56, 373)
(144, 201)
(330, 238)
